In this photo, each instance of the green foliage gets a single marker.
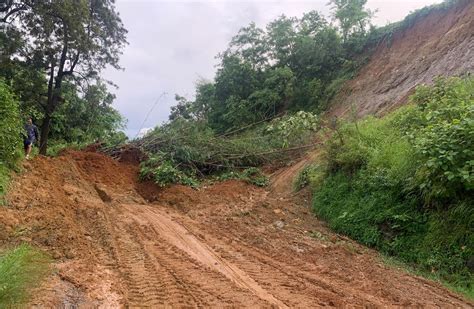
(11, 132)
(21, 270)
(312, 174)
(292, 64)
(65, 41)
(87, 118)
(443, 135)
(4, 180)
(190, 148)
(164, 172)
(375, 175)
(251, 175)
(294, 129)
(352, 16)
(11, 129)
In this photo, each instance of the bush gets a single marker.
(382, 179)
(21, 270)
(10, 127)
(251, 175)
(294, 129)
(164, 172)
(311, 174)
(10, 135)
(443, 136)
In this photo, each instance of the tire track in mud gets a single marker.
(157, 272)
(182, 239)
(146, 282)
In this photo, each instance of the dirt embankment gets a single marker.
(441, 43)
(228, 244)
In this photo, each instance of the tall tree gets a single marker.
(251, 45)
(71, 40)
(281, 35)
(352, 15)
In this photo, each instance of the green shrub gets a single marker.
(311, 174)
(294, 129)
(383, 177)
(10, 127)
(10, 135)
(250, 175)
(443, 135)
(4, 179)
(21, 270)
(164, 172)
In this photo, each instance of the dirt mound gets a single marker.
(441, 43)
(225, 245)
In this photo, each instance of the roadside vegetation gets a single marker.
(10, 135)
(21, 270)
(404, 183)
(187, 151)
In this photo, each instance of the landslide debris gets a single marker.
(119, 243)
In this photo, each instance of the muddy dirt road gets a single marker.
(121, 243)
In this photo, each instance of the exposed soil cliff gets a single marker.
(441, 43)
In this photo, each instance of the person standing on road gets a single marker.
(31, 136)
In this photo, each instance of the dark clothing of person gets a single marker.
(31, 136)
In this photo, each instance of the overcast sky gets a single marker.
(174, 43)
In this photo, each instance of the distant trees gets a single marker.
(352, 16)
(51, 43)
(294, 63)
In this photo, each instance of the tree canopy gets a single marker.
(291, 64)
(53, 43)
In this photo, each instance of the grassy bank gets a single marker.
(21, 270)
(403, 184)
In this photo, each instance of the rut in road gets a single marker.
(121, 243)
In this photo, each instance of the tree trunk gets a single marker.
(44, 134)
(53, 95)
(45, 126)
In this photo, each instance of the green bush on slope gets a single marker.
(10, 134)
(403, 183)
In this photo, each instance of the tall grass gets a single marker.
(21, 270)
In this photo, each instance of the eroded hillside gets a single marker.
(441, 43)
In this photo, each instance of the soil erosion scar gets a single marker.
(179, 236)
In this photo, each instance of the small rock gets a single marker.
(279, 224)
(69, 254)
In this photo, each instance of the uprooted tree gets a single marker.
(70, 40)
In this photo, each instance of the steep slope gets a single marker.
(441, 43)
(226, 245)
